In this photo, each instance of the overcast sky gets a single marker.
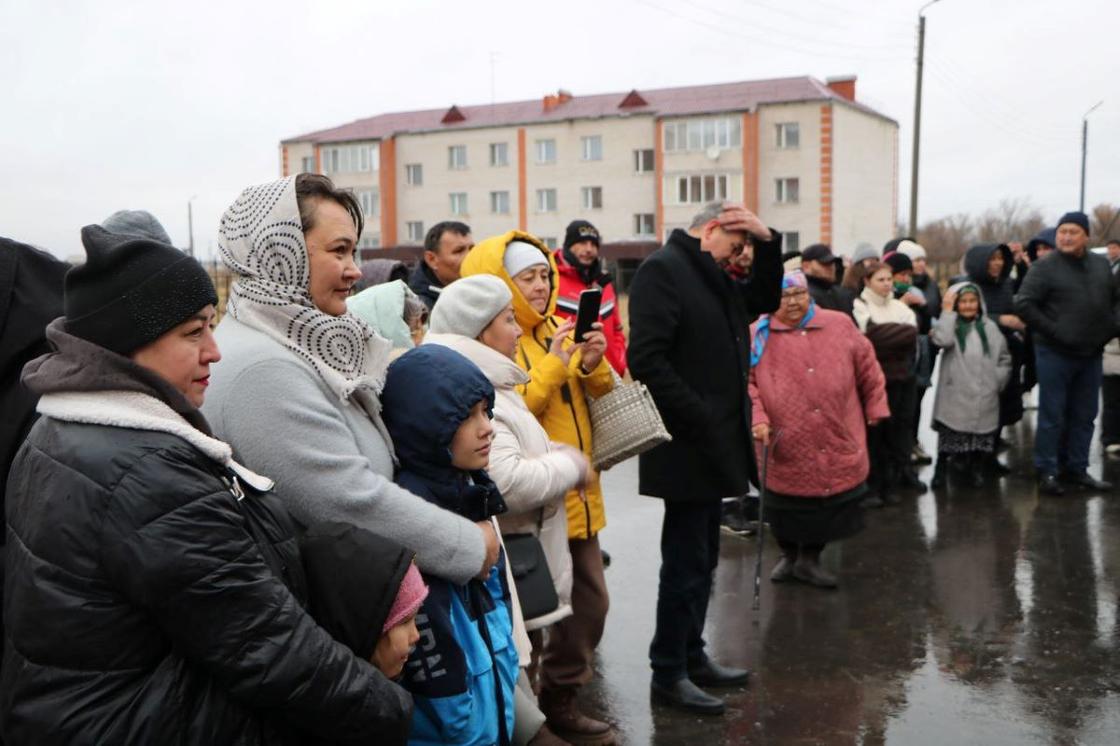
(117, 104)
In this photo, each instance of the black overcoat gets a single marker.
(689, 344)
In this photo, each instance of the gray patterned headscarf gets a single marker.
(261, 241)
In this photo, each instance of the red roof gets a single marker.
(664, 102)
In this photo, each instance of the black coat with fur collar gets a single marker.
(146, 602)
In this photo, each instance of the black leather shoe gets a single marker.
(684, 695)
(1048, 484)
(873, 501)
(710, 673)
(908, 480)
(995, 466)
(1082, 480)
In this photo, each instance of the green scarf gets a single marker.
(964, 325)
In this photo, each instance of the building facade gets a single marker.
(805, 155)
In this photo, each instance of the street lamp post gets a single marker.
(190, 226)
(1085, 150)
(917, 120)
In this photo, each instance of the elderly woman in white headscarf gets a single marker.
(297, 395)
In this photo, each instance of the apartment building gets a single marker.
(809, 158)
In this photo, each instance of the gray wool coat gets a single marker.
(328, 459)
(969, 382)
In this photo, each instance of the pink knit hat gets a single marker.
(409, 597)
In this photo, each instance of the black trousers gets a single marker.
(890, 442)
(1110, 411)
(689, 556)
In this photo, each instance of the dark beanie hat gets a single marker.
(580, 230)
(899, 262)
(131, 290)
(1077, 218)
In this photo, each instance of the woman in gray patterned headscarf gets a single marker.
(297, 394)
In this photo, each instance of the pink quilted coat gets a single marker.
(820, 385)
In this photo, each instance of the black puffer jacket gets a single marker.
(1071, 303)
(143, 598)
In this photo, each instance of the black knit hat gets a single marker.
(899, 262)
(580, 230)
(1077, 218)
(131, 290)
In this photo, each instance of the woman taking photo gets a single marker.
(145, 581)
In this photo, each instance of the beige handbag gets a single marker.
(624, 423)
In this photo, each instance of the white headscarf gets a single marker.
(261, 241)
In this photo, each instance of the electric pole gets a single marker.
(190, 227)
(917, 121)
(1085, 150)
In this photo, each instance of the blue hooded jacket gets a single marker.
(463, 670)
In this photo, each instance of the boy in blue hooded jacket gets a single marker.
(437, 407)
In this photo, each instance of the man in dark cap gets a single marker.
(819, 267)
(1070, 301)
(580, 268)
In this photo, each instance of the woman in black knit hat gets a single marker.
(148, 574)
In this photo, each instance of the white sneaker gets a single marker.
(1112, 449)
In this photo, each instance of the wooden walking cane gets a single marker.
(761, 535)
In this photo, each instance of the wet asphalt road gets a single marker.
(964, 617)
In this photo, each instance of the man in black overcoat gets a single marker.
(689, 344)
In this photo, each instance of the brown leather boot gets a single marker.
(565, 720)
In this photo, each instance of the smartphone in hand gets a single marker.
(588, 313)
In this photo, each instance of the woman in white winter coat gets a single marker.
(474, 316)
(975, 366)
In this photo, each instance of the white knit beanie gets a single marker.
(520, 255)
(912, 249)
(467, 306)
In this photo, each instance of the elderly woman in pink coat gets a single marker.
(815, 379)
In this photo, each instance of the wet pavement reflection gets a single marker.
(964, 617)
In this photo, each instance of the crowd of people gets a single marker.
(362, 506)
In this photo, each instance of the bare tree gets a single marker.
(1105, 223)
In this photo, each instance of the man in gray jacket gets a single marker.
(1069, 300)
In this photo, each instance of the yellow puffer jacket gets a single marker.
(555, 392)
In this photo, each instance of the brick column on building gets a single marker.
(750, 161)
(284, 160)
(659, 176)
(522, 183)
(388, 188)
(826, 174)
(318, 160)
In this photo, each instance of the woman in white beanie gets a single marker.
(474, 316)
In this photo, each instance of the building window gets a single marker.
(546, 151)
(643, 224)
(592, 148)
(546, 200)
(459, 203)
(457, 157)
(643, 161)
(499, 203)
(550, 241)
(705, 188)
(369, 240)
(350, 159)
(499, 154)
(789, 135)
(307, 165)
(701, 134)
(791, 241)
(414, 174)
(787, 190)
(592, 197)
(415, 230)
(370, 201)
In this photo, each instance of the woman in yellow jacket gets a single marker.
(562, 376)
